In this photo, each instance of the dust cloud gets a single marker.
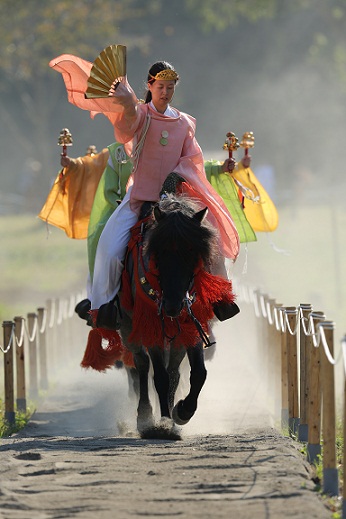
(235, 397)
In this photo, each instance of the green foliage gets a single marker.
(32, 32)
(21, 419)
(220, 15)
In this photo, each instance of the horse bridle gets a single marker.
(158, 299)
(187, 303)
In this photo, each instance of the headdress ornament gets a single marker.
(166, 75)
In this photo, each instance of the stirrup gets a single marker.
(224, 311)
(82, 309)
(109, 315)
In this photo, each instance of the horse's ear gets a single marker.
(201, 214)
(158, 214)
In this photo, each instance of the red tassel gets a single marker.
(98, 357)
(212, 289)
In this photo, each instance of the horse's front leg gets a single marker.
(176, 356)
(185, 409)
(145, 417)
(161, 379)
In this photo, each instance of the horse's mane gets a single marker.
(178, 229)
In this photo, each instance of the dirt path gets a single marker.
(72, 461)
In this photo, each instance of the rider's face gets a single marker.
(162, 92)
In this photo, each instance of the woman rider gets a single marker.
(160, 140)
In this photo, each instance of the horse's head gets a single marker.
(180, 241)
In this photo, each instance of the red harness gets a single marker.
(149, 325)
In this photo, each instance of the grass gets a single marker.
(21, 419)
(333, 503)
(37, 264)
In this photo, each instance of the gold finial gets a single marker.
(248, 140)
(65, 139)
(91, 150)
(231, 143)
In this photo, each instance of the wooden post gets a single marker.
(292, 370)
(265, 343)
(305, 353)
(19, 331)
(314, 404)
(276, 337)
(53, 334)
(284, 380)
(10, 416)
(330, 471)
(273, 359)
(42, 323)
(32, 348)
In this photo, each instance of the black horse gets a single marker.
(167, 300)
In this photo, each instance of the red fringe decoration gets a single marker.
(100, 358)
(147, 326)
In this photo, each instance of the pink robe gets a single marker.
(181, 154)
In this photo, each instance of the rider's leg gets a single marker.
(109, 258)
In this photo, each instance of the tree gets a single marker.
(246, 42)
(32, 33)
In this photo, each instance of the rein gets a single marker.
(188, 301)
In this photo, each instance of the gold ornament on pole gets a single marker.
(247, 142)
(231, 144)
(65, 139)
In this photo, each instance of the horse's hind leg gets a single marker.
(185, 409)
(133, 382)
(145, 418)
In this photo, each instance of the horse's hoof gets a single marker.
(145, 420)
(165, 429)
(179, 415)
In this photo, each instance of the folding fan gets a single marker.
(109, 66)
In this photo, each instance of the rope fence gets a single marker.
(298, 353)
(34, 348)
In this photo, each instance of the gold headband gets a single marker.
(166, 75)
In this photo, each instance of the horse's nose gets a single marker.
(172, 309)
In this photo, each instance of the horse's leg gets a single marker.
(145, 417)
(133, 381)
(185, 409)
(176, 356)
(161, 379)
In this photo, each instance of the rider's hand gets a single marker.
(65, 161)
(229, 165)
(124, 97)
(246, 161)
